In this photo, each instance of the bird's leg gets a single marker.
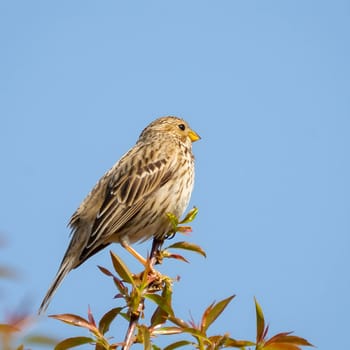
(133, 252)
(156, 245)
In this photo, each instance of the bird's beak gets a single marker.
(193, 136)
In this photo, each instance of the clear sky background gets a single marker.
(267, 86)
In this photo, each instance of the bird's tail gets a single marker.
(65, 267)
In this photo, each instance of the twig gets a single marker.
(134, 318)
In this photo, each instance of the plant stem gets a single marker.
(134, 318)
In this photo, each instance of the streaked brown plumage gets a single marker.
(129, 203)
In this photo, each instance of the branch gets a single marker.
(134, 319)
(135, 316)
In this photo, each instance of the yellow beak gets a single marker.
(193, 136)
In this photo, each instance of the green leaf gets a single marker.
(122, 269)
(167, 331)
(178, 322)
(188, 246)
(213, 312)
(73, 342)
(195, 332)
(159, 317)
(146, 337)
(233, 343)
(161, 302)
(107, 319)
(217, 341)
(190, 216)
(39, 340)
(260, 322)
(179, 344)
(173, 220)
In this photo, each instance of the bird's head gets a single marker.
(171, 126)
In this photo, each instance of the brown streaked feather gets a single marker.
(124, 198)
(88, 252)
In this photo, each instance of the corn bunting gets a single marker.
(129, 203)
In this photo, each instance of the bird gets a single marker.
(131, 201)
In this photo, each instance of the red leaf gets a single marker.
(280, 346)
(175, 256)
(287, 338)
(74, 320)
(91, 317)
(184, 229)
(105, 271)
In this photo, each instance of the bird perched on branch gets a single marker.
(130, 202)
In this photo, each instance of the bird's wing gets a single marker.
(125, 196)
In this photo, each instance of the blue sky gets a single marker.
(267, 86)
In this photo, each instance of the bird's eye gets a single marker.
(182, 126)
